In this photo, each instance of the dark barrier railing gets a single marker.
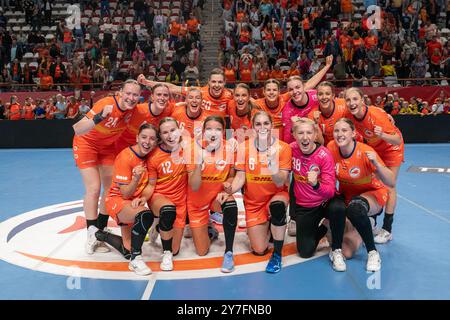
(36, 133)
(59, 133)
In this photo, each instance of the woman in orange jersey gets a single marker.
(274, 102)
(93, 148)
(167, 174)
(362, 177)
(126, 201)
(262, 168)
(158, 107)
(215, 96)
(211, 165)
(240, 112)
(377, 129)
(330, 110)
(189, 115)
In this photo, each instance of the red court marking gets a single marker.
(179, 265)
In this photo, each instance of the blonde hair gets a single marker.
(302, 121)
(357, 90)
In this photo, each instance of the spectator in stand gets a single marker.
(28, 109)
(58, 71)
(339, 72)
(72, 108)
(84, 107)
(39, 111)
(304, 65)
(61, 107)
(15, 109)
(435, 64)
(419, 68)
(230, 75)
(358, 74)
(191, 74)
(16, 71)
(373, 66)
(437, 107)
(172, 76)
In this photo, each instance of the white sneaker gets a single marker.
(242, 223)
(338, 260)
(167, 261)
(187, 232)
(292, 228)
(373, 261)
(91, 242)
(139, 266)
(383, 236)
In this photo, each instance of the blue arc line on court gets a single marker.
(32, 222)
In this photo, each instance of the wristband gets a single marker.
(98, 118)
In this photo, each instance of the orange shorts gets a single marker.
(181, 209)
(394, 156)
(199, 217)
(381, 196)
(87, 155)
(114, 205)
(255, 215)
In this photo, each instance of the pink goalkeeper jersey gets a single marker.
(291, 110)
(321, 161)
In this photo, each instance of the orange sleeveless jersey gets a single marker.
(123, 168)
(107, 131)
(216, 167)
(141, 114)
(276, 112)
(356, 174)
(326, 124)
(392, 155)
(169, 171)
(213, 106)
(17, 109)
(259, 187)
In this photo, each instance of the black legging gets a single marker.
(309, 232)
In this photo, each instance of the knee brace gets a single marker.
(358, 207)
(142, 222)
(278, 213)
(167, 215)
(336, 208)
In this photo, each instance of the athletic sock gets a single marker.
(278, 246)
(102, 221)
(387, 221)
(91, 223)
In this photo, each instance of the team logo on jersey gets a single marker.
(220, 164)
(355, 172)
(222, 107)
(127, 118)
(368, 133)
(61, 230)
(314, 168)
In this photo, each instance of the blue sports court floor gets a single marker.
(42, 236)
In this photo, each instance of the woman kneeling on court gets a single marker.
(126, 200)
(359, 170)
(262, 168)
(314, 185)
(211, 165)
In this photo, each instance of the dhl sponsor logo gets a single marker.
(259, 179)
(300, 178)
(219, 178)
(171, 177)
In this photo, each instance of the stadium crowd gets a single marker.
(114, 40)
(276, 39)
